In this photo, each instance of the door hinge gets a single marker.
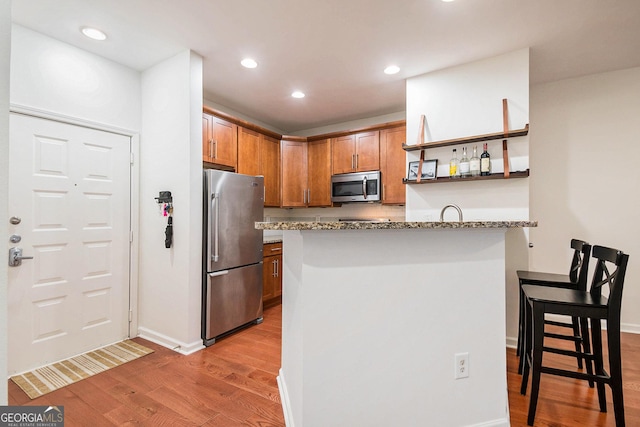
(131, 236)
(131, 158)
(130, 316)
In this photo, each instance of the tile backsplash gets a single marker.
(347, 210)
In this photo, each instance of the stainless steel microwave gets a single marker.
(356, 187)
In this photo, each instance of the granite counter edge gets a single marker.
(391, 225)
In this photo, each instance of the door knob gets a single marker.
(15, 257)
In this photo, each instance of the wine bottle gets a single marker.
(474, 163)
(485, 162)
(464, 164)
(454, 165)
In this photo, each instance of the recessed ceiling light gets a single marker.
(447, 1)
(392, 69)
(249, 63)
(93, 33)
(297, 94)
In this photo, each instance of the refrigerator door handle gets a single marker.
(215, 212)
(219, 273)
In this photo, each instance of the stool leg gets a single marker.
(596, 333)
(526, 351)
(538, 342)
(520, 344)
(586, 347)
(615, 366)
(576, 333)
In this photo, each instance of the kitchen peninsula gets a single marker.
(374, 314)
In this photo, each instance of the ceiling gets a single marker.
(335, 50)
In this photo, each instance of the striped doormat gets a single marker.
(57, 375)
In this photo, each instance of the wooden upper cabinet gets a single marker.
(207, 137)
(344, 154)
(259, 154)
(319, 173)
(356, 152)
(248, 152)
(393, 165)
(368, 151)
(219, 141)
(294, 173)
(270, 169)
(224, 148)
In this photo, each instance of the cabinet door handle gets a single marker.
(277, 268)
(211, 148)
(356, 162)
(215, 150)
(274, 262)
(308, 196)
(353, 161)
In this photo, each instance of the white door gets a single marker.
(69, 188)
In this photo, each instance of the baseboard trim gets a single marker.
(502, 422)
(170, 343)
(284, 399)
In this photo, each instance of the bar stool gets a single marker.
(576, 279)
(592, 305)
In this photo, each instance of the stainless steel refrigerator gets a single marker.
(232, 253)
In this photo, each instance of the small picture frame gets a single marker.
(429, 170)
(413, 171)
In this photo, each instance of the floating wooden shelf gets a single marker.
(469, 139)
(442, 179)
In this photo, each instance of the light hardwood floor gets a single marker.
(233, 383)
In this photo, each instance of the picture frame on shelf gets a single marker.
(413, 171)
(429, 170)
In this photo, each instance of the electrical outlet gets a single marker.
(462, 365)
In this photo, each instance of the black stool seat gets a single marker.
(565, 301)
(536, 277)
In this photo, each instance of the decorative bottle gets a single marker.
(464, 164)
(485, 162)
(474, 163)
(454, 165)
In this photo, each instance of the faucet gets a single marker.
(456, 207)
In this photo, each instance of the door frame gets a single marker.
(134, 195)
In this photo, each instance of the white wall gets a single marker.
(352, 124)
(584, 182)
(464, 101)
(54, 77)
(5, 44)
(171, 159)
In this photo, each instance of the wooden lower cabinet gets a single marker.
(392, 165)
(272, 274)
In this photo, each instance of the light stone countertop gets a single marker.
(390, 225)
